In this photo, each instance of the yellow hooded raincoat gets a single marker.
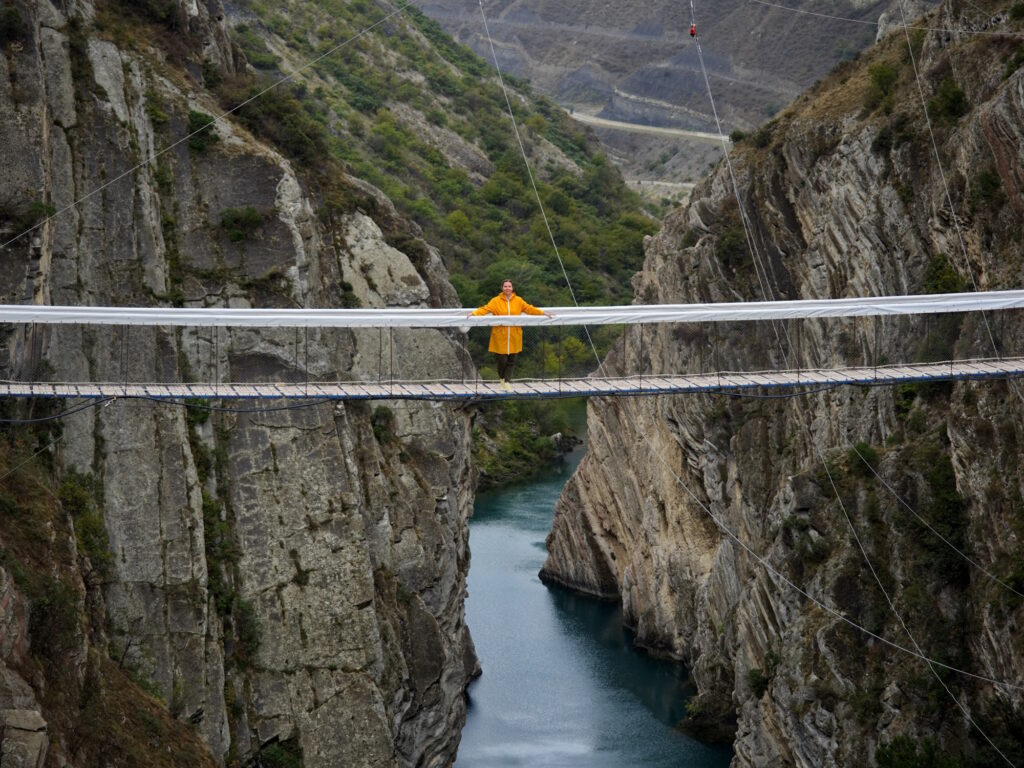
(507, 339)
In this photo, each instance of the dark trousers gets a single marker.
(505, 365)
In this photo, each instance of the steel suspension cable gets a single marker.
(960, 238)
(988, 328)
(929, 526)
(824, 606)
(817, 450)
(533, 183)
(895, 612)
(865, 22)
(949, 197)
(748, 228)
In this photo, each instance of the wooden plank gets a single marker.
(661, 382)
(373, 390)
(596, 386)
(969, 370)
(447, 390)
(547, 387)
(689, 384)
(989, 368)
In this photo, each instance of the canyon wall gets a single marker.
(283, 578)
(842, 195)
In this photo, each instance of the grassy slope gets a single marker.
(378, 100)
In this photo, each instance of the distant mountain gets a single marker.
(635, 61)
(760, 55)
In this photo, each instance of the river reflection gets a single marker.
(562, 686)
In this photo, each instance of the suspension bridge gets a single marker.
(598, 382)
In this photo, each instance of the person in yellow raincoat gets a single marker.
(507, 340)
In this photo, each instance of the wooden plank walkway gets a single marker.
(489, 390)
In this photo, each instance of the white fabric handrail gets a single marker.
(456, 317)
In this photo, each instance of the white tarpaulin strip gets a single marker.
(454, 318)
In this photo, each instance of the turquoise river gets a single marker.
(562, 686)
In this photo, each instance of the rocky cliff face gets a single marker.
(844, 197)
(286, 579)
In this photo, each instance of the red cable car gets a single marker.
(693, 30)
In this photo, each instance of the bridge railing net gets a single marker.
(231, 355)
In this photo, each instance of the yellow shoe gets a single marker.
(505, 385)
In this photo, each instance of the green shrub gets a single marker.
(904, 399)
(282, 115)
(942, 277)
(81, 496)
(903, 752)
(987, 190)
(212, 76)
(858, 455)
(26, 216)
(383, 423)
(155, 109)
(1014, 63)
(221, 554)
(286, 754)
(763, 136)
(731, 248)
(160, 11)
(255, 48)
(883, 79)
(883, 141)
(459, 55)
(759, 678)
(949, 103)
(240, 223)
(1017, 11)
(12, 25)
(53, 621)
(758, 681)
(247, 633)
(200, 129)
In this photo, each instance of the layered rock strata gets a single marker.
(281, 577)
(842, 197)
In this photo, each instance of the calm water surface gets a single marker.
(562, 686)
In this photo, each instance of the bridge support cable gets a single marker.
(875, 24)
(931, 663)
(776, 574)
(631, 314)
(988, 328)
(690, 359)
(945, 184)
(533, 182)
(801, 415)
(748, 227)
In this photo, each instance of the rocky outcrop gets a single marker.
(23, 738)
(289, 578)
(700, 513)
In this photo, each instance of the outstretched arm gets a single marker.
(532, 310)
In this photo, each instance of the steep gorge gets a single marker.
(844, 197)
